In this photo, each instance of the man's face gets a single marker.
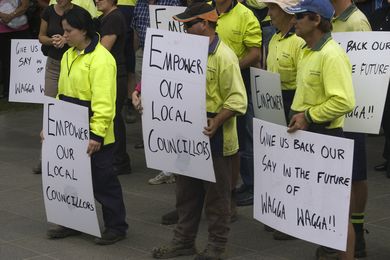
(194, 26)
(303, 25)
(278, 16)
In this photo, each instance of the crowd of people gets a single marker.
(94, 55)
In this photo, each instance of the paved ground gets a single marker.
(23, 225)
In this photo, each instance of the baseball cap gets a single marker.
(321, 7)
(198, 10)
(283, 4)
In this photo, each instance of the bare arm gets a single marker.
(252, 58)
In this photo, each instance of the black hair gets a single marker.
(80, 19)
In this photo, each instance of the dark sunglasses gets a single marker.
(300, 16)
(192, 23)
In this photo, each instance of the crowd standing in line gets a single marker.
(290, 37)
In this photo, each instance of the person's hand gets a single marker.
(136, 100)
(58, 41)
(93, 147)
(6, 18)
(41, 135)
(298, 122)
(211, 128)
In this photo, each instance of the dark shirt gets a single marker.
(141, 19)
(54, 26)
(380, 19)
(114, 23)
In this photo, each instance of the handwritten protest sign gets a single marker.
(66, 167)
(174, 104)
(369, 53)
(27, 79)
(302, 183)
(161, 17)
(267, 96)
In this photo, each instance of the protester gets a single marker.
(127, 9)
(88, 78)
(284, 50)
(53, 46)
(13, 25)
(380, 21)
(240, 30)
(349, 18)
(112, 28)
(141, 21)
(324, 91)
(225, 98)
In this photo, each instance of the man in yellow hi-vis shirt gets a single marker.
(324, 82)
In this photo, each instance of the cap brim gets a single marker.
(284, 7)
(296, 9)
(185, 17)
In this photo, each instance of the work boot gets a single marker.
(277, 235)
(173, 249)
(326, 253)
(61, 232)
(211, 253)
(109, 237)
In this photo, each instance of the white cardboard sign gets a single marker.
(161, 17)
(302, 183)
(267, 96)
(66, 167)
(27, 79)
(174, 104)
(369, 53)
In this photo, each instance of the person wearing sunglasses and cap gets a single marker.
(225, 98)
(324, 91)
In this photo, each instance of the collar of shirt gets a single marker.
(214, 44)
(323, 40)
(347, 13)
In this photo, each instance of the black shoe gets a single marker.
(245, 198)
(170, 218)
(327, 253)
(360, 244)
(61, 232)
(37, 169)
(381, 167)
(241, 189)
(277, 235)
(122, 170)
(109, 237)
(139, 146)
(268, 228)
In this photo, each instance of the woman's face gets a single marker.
(104, 5)
(73, 36)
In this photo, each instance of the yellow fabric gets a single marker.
(256, 4)
(324, 84)
(353, 22)
(239, 29)
(283, 55)
(92, 77)
(225, 89)
(88, 5)
(127, 2)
